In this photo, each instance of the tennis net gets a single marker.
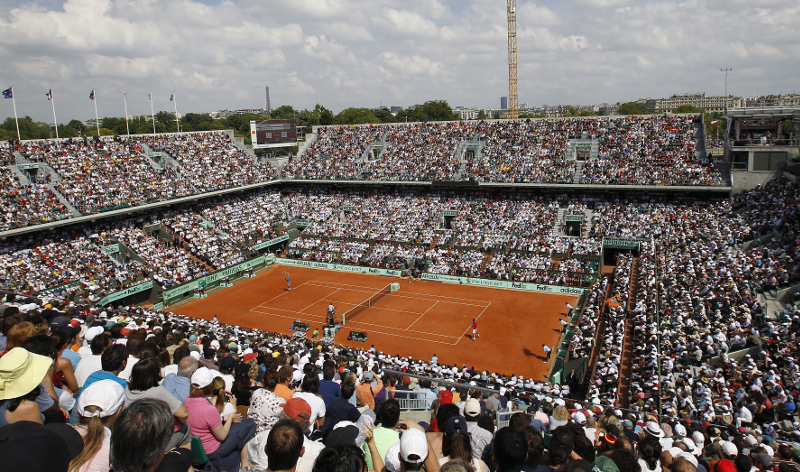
(361, 307)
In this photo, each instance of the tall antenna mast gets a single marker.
(269, 106)
(513, 98)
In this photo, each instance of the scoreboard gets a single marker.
(273, 133)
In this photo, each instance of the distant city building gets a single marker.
(715, 104)
(467, 113)
(395, 110)
(227, 113)
(504, 103)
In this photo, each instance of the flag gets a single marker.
(8, 93)
(49, 94)
(91, 95)
(172, 97)
(714, 123)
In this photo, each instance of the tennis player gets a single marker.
(475, 334)
(288, 282)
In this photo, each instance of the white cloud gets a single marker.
(344, 53)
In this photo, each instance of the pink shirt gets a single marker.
(203, 417)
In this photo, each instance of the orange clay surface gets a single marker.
(421, 319)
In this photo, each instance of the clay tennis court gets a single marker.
(421, 319)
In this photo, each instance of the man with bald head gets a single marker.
(178, 384)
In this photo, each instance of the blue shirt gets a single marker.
(73, 357)
(328, 390)
(176, 385)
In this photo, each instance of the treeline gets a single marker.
(437, 110)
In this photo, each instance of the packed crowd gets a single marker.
(24, 205)
(336, 153)
(523, 151)
(100, 175)
(114, 172)
(210, 161)
(656, 150)
(134, 386)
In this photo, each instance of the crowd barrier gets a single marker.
(126, 293)
(182, 291)
(340, 267)
(504, 284)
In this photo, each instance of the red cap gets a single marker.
(297, 409)
(247, 357)
(406, 380)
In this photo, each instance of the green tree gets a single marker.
(439, 110)
(411, 115)
(283, 112)
(632, 108)
(28, 129)
(482, 115)
(78, 126)
(384, 115)
(787, 126)
(688, 109)
(355, 116)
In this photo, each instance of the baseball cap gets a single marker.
(472, 407)
(369, 376)
(414, 445)
(344, 433)
(763, 458)
(92, 333)
(227, 363)
(107, 395)
(298, 409)
(202, 377)
(679, 430)
(456, 424)
(729, 448)
(579, 417)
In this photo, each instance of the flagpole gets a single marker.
(175, 102)
(53, 102)
(14, 104)
(96, 119)
(152, 113)
(125, 99)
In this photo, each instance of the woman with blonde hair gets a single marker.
(560, 417)
(98, 406)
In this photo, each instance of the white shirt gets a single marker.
(88, 366)
(316, 403)
(126, 373)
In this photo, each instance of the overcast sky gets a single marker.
(364, 53)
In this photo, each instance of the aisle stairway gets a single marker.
(556, 231)
(63, 200)
(626, 362)
(578, 172)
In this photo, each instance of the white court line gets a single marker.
(359, 322)
(420, 316)
(320, 300)
(395, 294)
(379, 332)
(470, 326)
(284, 293)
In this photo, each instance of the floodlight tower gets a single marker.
(269, 105)
(513, 98)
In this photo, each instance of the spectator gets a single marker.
(179, 384)
(142, 433)
(295, 414)
(510, 450)
(386, 434)
(340, 409)
(145, 377)
(479, 437)
(98, 408)
(456, 444)
(23, 396)
(284, 446)
(225, 442)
